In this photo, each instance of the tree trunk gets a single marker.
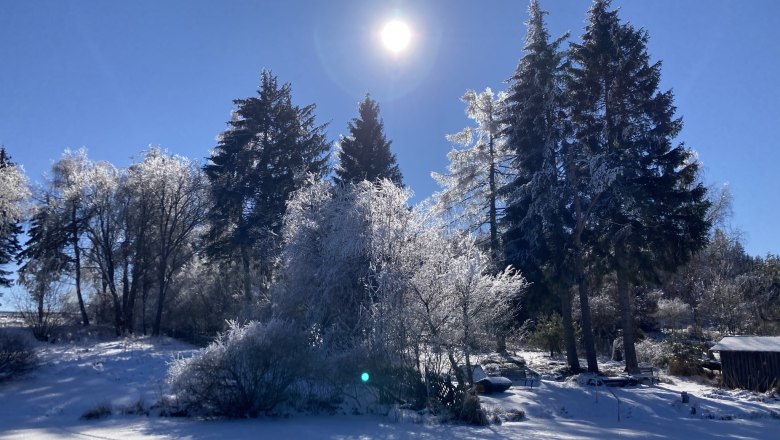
(501, 342)
(569, 337)
(458, 372)
(627, 318)
(246, 274)
(158, 315)
(492, 208)
(118, 327)
(108, 277)
(41, 293)
(466, 341)
(494, 246)
(144, 297)
(587, 327)
(162, 288)
(126, 288)
(77, 257)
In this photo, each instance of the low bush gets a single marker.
(685, 358)
(17, 355)
(100, 411)
(247, 370)
(454, 403)
(655, 353)
(136, 409)
(471, 412)
(445, 398)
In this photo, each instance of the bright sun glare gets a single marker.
(396, 35)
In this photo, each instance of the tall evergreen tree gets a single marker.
(365, 152)
(43, 260)
(13, 192)
(266, 153)
(653, 209)
(541, 232)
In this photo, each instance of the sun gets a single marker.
(396, 36)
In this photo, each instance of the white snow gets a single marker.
(74, 378)
(748, 343)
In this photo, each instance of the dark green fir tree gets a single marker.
(538, 228)
(652, 214)
(365, 152)
(269, 149)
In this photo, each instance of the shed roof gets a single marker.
(748, 343)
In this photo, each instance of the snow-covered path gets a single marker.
(75, 378)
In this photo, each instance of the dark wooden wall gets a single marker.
(750, 370)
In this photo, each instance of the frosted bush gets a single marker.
(247, 370)
(654, 353)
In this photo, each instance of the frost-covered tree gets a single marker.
(479, 300)
(105, 233)
(652, 212)
(478, 169)
(68, 185)
(325, 258)
(120, 236)
(62, 202)
(715, 283)
(337, 239)
(14, 196)
(262, 157)
(673, 312)
(762, 289)
(365, 154)
(176, 190)
(421, 293)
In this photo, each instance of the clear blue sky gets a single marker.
(115, 77)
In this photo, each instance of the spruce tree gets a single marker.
(365, 152)
(43, 260)
(652, 209)
(538, 237)
(265, 154)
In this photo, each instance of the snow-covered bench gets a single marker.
(647, 374)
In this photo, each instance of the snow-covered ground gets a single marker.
(78, 377)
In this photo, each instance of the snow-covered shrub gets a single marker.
(248, 370)
(17, 355)
(654, 353)
(202, 295)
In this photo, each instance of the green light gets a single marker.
(364, 377)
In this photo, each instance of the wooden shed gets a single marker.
(750, 362)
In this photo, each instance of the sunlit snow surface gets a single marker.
(77, 377)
